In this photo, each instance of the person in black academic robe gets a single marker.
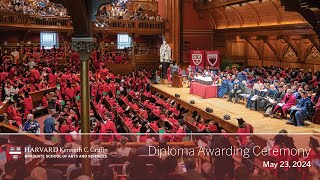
(274, 101)
(271, 93)
(235, 91)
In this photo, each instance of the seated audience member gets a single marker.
(272, 102)
(301, 111)
(286, 103)
(316, 101)
(223, 88)
(253, 95)
(191, 173)
(270, 94)
(123, 150)
(207, 171)
(261, 94)
(235, 91)
(38, 173)
(31, 125)
(13, 114)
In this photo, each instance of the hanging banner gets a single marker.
(197, 58)
(213, 58)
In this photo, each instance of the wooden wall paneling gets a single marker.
(272, 48)
(254, 45)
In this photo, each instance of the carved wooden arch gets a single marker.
(291, 46)
(212, 20)
(285, 50)
(254, 47)
(277, 10)
(240, 19)
(224, 16)
(276, 53)
(255, 12)
(309, 51)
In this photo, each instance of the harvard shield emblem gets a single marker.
(212, 59)
(197, 58)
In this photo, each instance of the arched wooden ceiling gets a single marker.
(252, 14)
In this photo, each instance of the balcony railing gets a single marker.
(130, 25)
(9, 19)
(204, 4)
(22, 20)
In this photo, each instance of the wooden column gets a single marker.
(133, 56)
(173, 34)
(101, 47)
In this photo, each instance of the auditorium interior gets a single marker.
(145, 89)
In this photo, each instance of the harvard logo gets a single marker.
(212, 59)
(197, 59)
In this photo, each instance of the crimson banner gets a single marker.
(212, 58)
(197, 58)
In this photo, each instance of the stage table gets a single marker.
(204, 91)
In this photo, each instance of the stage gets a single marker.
(266, 127)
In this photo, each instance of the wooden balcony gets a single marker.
(202, 4)
(15, 20)
(9, 20)
(130, 26)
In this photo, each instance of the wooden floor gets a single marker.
(221, 107)
(265, 126)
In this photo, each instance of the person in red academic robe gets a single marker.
(244, 128)
(316, 102)
(94, 89)
(69, 92)
(143, 113)
(286, 103)
(64, 128)
(157, 111)
(13, 114)
(314, 152)
(109, 127)
(28, 105)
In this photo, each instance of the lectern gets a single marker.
(177, 81)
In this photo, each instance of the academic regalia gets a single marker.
(289, 101)
(298, 116)
(316, 117)
(263, 102)
(223, 89)
(65, 129)
(244, 128)
(70, 93)
(154, 126)
(110, 127)
(28, 106)
(52, 80)
(12, 114)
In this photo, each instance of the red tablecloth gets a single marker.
(203, 90)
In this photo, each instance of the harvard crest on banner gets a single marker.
(212, 58)
(197, 58)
